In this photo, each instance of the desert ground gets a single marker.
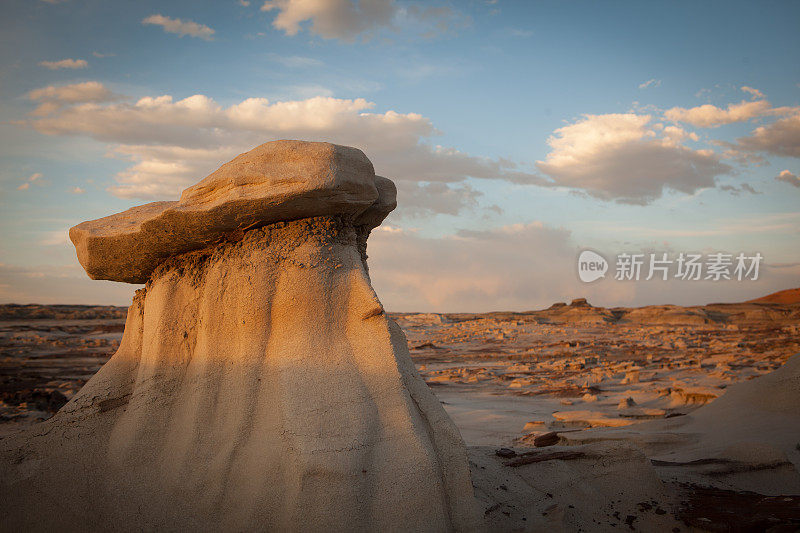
(542, 399)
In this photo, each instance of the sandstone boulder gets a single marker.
(280, 180)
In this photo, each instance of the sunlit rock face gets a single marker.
(259, 384)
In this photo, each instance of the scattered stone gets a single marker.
(626, 403)
(505, 453)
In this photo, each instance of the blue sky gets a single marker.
(531, 129)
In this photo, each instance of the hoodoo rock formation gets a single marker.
(259, 384)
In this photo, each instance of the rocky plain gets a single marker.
(505, 377)
(257, 383)
(520, 386)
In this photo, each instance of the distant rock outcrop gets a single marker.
(785, 297)
(259, 384)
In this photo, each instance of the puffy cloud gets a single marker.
(64, 63)
(628, 158)
(787, 177)
(348, 19)
(650, 83)
(161, 172)
(174, 143)
(181, 27)
(781, 137)
(711, 116)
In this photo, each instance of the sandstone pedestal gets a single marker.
(259, 386)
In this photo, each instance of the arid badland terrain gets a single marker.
(259, 384)
(530, 383)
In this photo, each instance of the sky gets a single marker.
(518, 133)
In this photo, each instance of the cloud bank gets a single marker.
(173, 143)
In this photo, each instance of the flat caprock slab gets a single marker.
(277, 181)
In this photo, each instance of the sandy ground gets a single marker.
(547, 402)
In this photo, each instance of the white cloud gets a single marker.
(781, 137)
(53, 97)
(181, 27)
(172, 144)
(628, 158)
(90, 91)
(755, 94)
(346, 20)
(27, 183)
(787, 177)
(650, 83)
(64, 63)
(77, 190)
(711, 116)
(161, 172)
